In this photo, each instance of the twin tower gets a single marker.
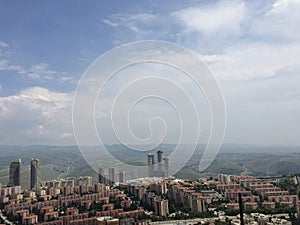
(162, 166)
(14, 173)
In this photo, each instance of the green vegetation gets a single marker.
(288, 183)
(255, 164)
(233, 212)
(182, 216)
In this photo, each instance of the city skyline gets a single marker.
(252, 48)
(159, 169)
(82, 201)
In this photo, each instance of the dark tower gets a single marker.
(34, 170)
(14, 173)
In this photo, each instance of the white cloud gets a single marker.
(38, 130)
(258, 72)
(41, 71)
(130, 21)
(3, 44)
(213, 58)
(282, 6)
(223, 18)
(66, 135)
(255, 57)
(5, 65)
(126, 19)
(280, 22)
(36, 115)
(256, 61)
(110, 22)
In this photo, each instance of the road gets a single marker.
(5, 219)
(183, 222)
(65, 174)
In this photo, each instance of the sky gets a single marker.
(251, 47)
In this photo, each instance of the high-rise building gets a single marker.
(34, 171)
(111, 175)
(162, 169)
(150, 163)
(160, 155)
(101, 176)
(166, 167)
(14, 173)
(161, 207)
(122, 176)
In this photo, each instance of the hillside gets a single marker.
(66, 161)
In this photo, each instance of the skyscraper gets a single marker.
(102, 178)
(34, 170)
(111, 175)
(14, 173)
(122, 176)
(150, 165)
(160, 155)
(166, 167)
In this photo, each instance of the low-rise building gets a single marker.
(250, 205)
(232, 205)
(29, 219)
(270, 205)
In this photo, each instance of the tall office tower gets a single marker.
(111, 175)
(34, 170)
(150, 165)
(160, 155)
(14, 173)
(122, 176)
(166, 167)
(102, 178)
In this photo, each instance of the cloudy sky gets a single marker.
(252, 48)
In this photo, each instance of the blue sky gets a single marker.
(252, 47)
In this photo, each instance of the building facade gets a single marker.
(14, 173)
(34, 173)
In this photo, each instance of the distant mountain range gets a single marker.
(67, 161)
